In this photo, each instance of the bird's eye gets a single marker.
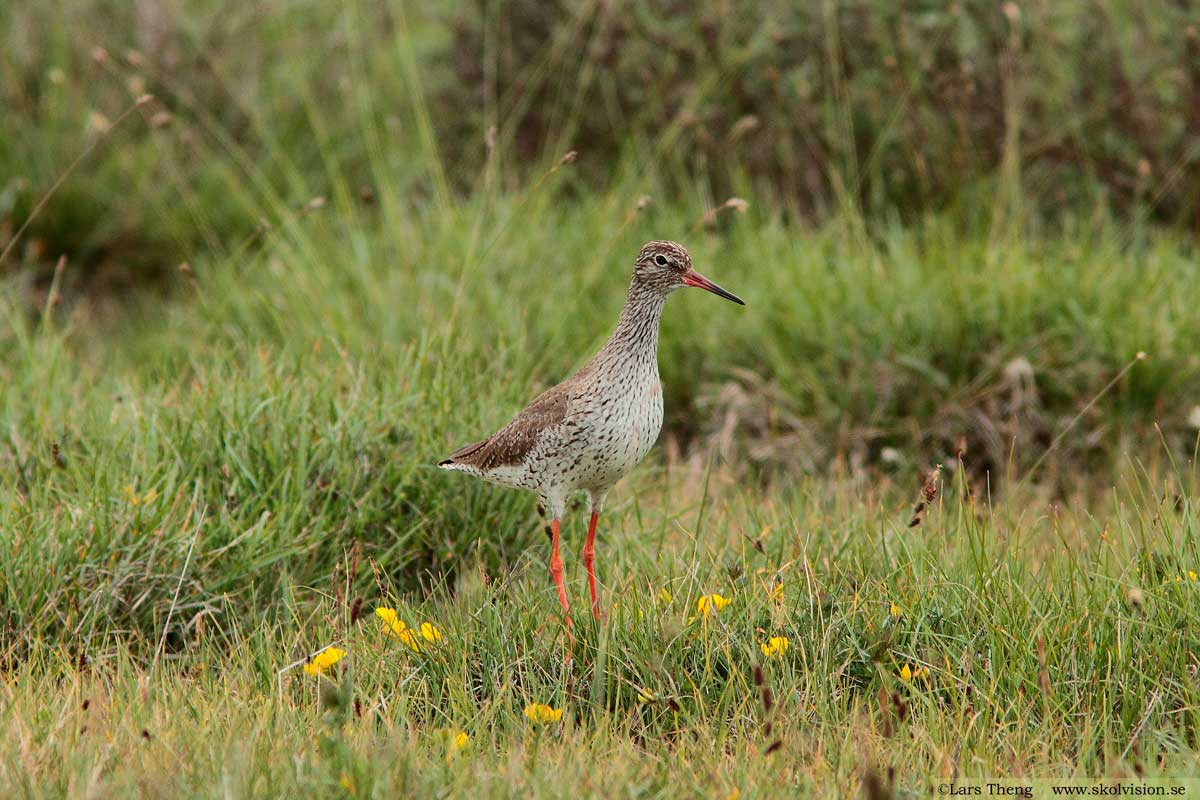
(660, 260)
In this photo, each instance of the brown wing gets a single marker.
(510, 444)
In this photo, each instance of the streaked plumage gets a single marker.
(588, 431)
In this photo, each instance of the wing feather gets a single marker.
(510, 444)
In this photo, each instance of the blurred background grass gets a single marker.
(889, 110)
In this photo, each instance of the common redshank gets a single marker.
(588, 431)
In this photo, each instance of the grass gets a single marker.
(1043, 645)
(202, 481)
(197, 499)
(290, 402)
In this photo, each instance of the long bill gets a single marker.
(693, 278)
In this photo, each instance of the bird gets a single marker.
(587, 432)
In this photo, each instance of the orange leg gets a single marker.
(589, 561)
(556, 571)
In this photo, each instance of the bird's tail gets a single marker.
(459, 459)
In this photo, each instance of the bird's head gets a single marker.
(666, 266)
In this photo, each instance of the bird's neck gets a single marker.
(637, 330)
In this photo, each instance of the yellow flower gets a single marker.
(710, 603)
(412, 636)
(907, 673)
(646, 696)
(130, 494)
(895, 611)
(461, 740)
(392, 625)
(323, 661)
(347, 784)
(540, 713)
(1192, 575)
(777, 593)
(775, 646)
(664, 595)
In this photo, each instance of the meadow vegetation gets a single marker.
(293, 281)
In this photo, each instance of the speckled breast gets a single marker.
(621, 426)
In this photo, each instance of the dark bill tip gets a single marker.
(694, 278)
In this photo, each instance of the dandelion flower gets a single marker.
(323, 661)
(461, 740)
(710, 603)
(392, 625)
(775, 646)
(895, 611)
(541, 714)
